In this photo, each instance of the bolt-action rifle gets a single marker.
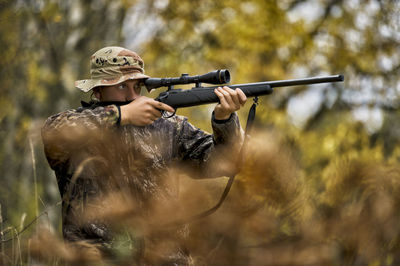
(199, 95)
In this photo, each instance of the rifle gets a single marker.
(199, 95)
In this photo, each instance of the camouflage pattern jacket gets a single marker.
(92, 154)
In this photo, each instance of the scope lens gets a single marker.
(224, 76)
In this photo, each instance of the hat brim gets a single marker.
(87, 85)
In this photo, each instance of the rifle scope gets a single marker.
(220, 76)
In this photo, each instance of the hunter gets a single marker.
(121, 142)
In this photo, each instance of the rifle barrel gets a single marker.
(294, 82)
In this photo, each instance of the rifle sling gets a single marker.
(249, 125)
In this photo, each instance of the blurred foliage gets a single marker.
(342, 155)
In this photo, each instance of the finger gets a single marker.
(162, 106)
(154, 113)
(242, 97)
(232, 99)
(226, 92)
(149, 110)
(148, 121)
(234, 96)
(154, 118)
(220, 95)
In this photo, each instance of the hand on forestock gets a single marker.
(142, 111)
(229, 102)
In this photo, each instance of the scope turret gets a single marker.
(220, 76)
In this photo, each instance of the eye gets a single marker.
(122, 86)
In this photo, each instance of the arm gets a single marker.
(66, 131)
(206, 155)
(70, 130)
(218, 154)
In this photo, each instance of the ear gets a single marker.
(97, 93)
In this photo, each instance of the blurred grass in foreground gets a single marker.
(272, 216)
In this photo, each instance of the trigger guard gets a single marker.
(164, 114)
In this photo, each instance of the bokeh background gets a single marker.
(321, 183)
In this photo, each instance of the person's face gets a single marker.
(126, 91)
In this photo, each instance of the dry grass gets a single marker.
(271, 217)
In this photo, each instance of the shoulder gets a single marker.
(69, 117)
(59, 118)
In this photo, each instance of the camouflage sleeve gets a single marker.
(228, 132)
(69, 130)
(211, 155)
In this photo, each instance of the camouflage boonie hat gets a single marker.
(110, 66)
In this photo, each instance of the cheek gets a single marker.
(113, 94)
